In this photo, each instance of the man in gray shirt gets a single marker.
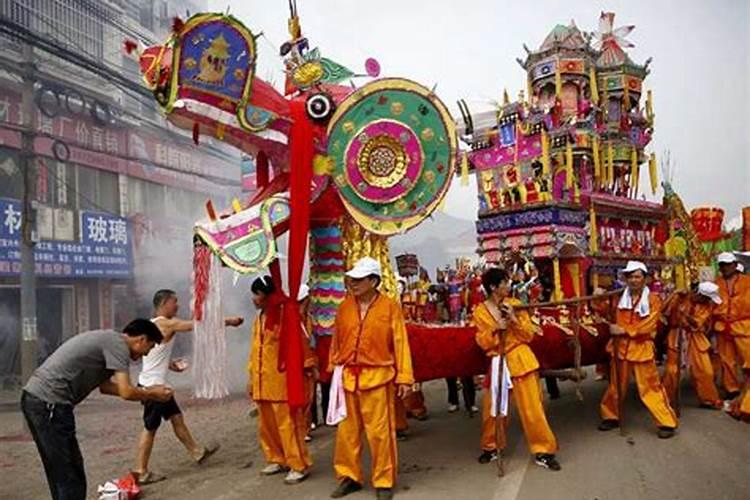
(86, 361)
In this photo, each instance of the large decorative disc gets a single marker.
(393, 144)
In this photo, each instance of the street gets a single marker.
(707, 459)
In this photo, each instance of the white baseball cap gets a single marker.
(726, 258)
(304, 292)
(635, 265)
(365, 267)
(710, 290)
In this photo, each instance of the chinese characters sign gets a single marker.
(104, 250)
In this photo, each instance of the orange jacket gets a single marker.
(269, 384)
(518, 354)
(374, 350)
(734, 310)
(700, 314)
(638, 342)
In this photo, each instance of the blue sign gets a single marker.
(535, 218)
(105, 248)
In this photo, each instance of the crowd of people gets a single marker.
(366, 373)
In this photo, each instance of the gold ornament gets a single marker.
(382, 161)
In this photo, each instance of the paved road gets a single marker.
(708, 459)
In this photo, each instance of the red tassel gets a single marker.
(201, 267)
(196, 133)
(177, 25)
(130, 46)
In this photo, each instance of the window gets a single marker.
(11, 179)
(98, 190)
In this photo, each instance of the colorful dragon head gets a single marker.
(383, 153)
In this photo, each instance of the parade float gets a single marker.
(561, 174)
(345, 165)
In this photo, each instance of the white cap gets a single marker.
(710, 290)
(635, 265)
(726, 258)
(364, 267)
(304, 292)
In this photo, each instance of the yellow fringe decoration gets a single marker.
(593, 232)
(649, 106)
(594, 86)
(556, 276)
(465, 170)
(610, 164)
(653, 173)
(626, 99)
(220, 129)
(545, 153)
(236, 205)
(558, 79)
(568, 165)
(597, 162)
(633, 166)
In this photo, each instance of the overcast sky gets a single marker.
(699, 74)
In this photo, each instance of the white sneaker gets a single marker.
(308, 438)
(452, 408)
(272, 469)
(474, 409)
(295, 477)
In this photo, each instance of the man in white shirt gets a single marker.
(156, 366)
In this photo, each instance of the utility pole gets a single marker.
(28, 216)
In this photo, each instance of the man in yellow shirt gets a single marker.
(690, 316)
(733, 323)
(371, 362)
(632, 349)
(281, 429)
(504, 335)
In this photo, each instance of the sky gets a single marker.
(699, 73)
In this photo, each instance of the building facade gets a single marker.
(116, 189)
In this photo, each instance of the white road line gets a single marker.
(509, 485)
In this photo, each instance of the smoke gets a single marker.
(165, 260)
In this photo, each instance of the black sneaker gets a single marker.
(401, 435)
(547, 461)
(608, 425)
(346, 487)
(732, 395)
(487, 456)
(665, 432)
(384, 493)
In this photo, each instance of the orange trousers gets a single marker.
(701, 371)
(282, 435)
(650, 390)
(728, 356)
(310, 383)
(370, 411)
(527, 396)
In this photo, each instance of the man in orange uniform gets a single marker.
(690, 316)
(372, 362)
(505, 335)
(281, 429)
(733, 323)
(632, 349)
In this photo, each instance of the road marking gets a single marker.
(509, 485)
